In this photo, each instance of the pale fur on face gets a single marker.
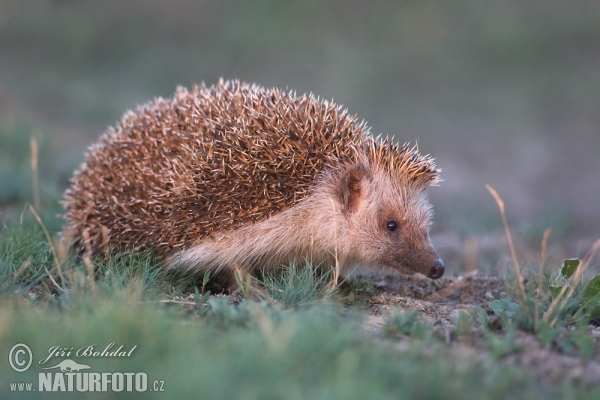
(408, 249)
(323, 230)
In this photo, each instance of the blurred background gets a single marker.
(501, 93)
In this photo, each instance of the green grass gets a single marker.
(302, 341)
(298, 285)
(308, 354)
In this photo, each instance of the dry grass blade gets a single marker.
(167, 301)
(585, 262)
(35, 172)
(544, 251)
(510, 241)
(248, 285)
(53, 280)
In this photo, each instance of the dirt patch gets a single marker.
(468, 289)
(440, 303)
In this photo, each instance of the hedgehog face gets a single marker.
(391, 222)
(404, 240)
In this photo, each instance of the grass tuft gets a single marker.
(559, 309)
(296, 286)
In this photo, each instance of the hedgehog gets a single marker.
(237, 177)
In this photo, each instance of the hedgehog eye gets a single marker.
(392, 225)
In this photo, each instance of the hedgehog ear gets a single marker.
(350, 187)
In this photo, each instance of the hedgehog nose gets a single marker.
(438, 269)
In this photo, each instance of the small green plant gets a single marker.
(408, 323)
(500, 344)
(360, 285)
(577, 337)
(202, 296)
(225, 315)
(505, 309)
(586, 293)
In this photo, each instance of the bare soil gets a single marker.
(440, 302)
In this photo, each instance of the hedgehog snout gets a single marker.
(438, 269)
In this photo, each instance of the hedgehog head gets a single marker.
(384, 201)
